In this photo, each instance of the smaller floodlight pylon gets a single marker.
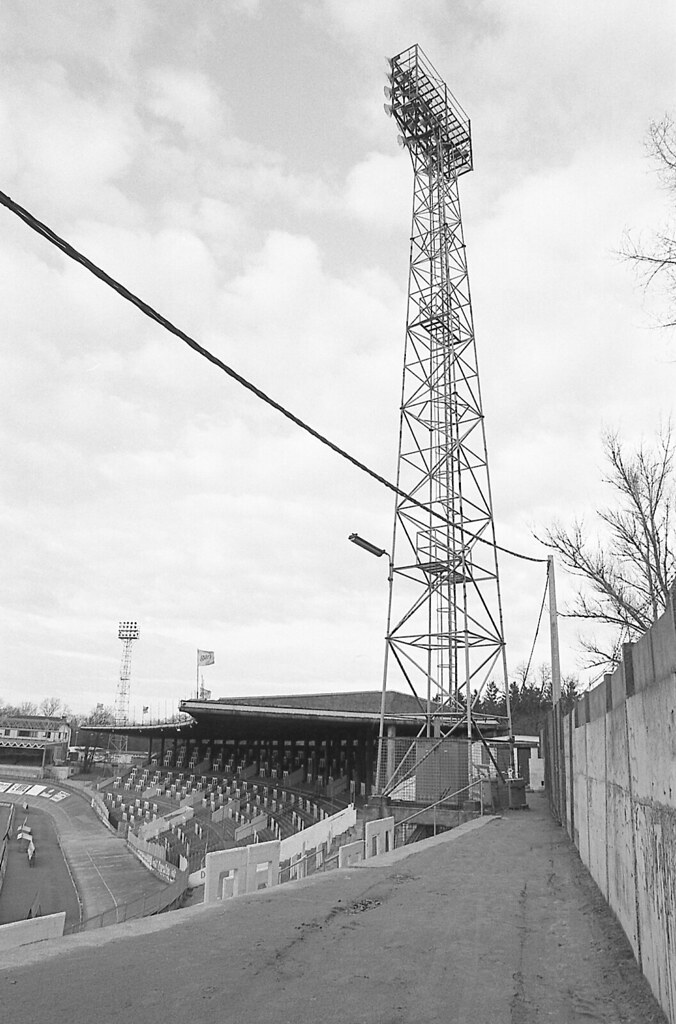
(127, 632)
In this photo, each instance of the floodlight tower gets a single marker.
(445, 636)
(127, 632)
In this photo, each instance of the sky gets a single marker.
(230, 161)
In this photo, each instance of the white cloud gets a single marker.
(186, 98)
(378, 191)
(139, 480)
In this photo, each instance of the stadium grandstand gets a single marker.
(236, 771)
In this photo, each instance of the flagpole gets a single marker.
(198, 676)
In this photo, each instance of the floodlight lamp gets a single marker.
(388, 92)
(388, 109)
(128, 631)
(401, 141)
(366, 545)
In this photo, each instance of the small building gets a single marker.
(33, 741)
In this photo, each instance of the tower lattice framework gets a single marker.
(445, 629)
(128, 632)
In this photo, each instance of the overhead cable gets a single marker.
(68, 250)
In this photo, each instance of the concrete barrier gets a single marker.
(378, 837)
(351, 853)
(37, 929)
(227, 873)
(262, 866)
(250, 828)
(226, 811)
(319, 834)
(152, 829)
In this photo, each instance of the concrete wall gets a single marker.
(241, 870)
(323, 832)
(22, 933)
(378, 837)
(614, 789)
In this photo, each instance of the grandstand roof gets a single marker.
(297, 716)
(360, 701)
(304, 713)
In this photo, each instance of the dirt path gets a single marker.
(502, 925)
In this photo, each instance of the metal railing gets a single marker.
(143, 906)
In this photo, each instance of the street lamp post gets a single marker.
(373, 549)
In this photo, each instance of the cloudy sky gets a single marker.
(230, 160)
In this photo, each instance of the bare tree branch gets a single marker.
(627, 576)
(655, 261)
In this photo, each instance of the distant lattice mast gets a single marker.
(445, 631)
(127, 632)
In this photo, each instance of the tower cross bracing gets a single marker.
(445, 629)
(127, 632)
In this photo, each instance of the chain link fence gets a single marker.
(143, 906)
(425, 770)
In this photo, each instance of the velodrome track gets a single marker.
(105, 872)
(47, 884)
(497, 924)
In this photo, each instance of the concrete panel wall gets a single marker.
(596, 801)
(321, 833)
(620, 826)
(22, 933)
(351, 853)
(378, 837)
(226, 874)
(618, 747)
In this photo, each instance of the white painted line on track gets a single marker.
(102, 878)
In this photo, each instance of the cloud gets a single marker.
(378, 191)
(140, 481)
(187, 99)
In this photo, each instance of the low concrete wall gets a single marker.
(22, 933)
(351, 853)
(242, 870)
(152, 829)
(378, 837)
(611, 772)
(250, 828)
(316, 835)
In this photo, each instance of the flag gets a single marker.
(205, 657)
(146, 709)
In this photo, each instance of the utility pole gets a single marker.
(554, 632)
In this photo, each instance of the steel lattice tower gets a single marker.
(445, 631)
(127, 633)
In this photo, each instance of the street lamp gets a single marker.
(378, 553)
(367, 545)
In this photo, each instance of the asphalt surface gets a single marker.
(493, 923)
(47, 886)
(106, 873)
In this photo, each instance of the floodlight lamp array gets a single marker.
(432, 123)
(128, 631)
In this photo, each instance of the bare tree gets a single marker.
(99, 715)
(26, 707)
(656, 258)
(52, 706)
(628, 574)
